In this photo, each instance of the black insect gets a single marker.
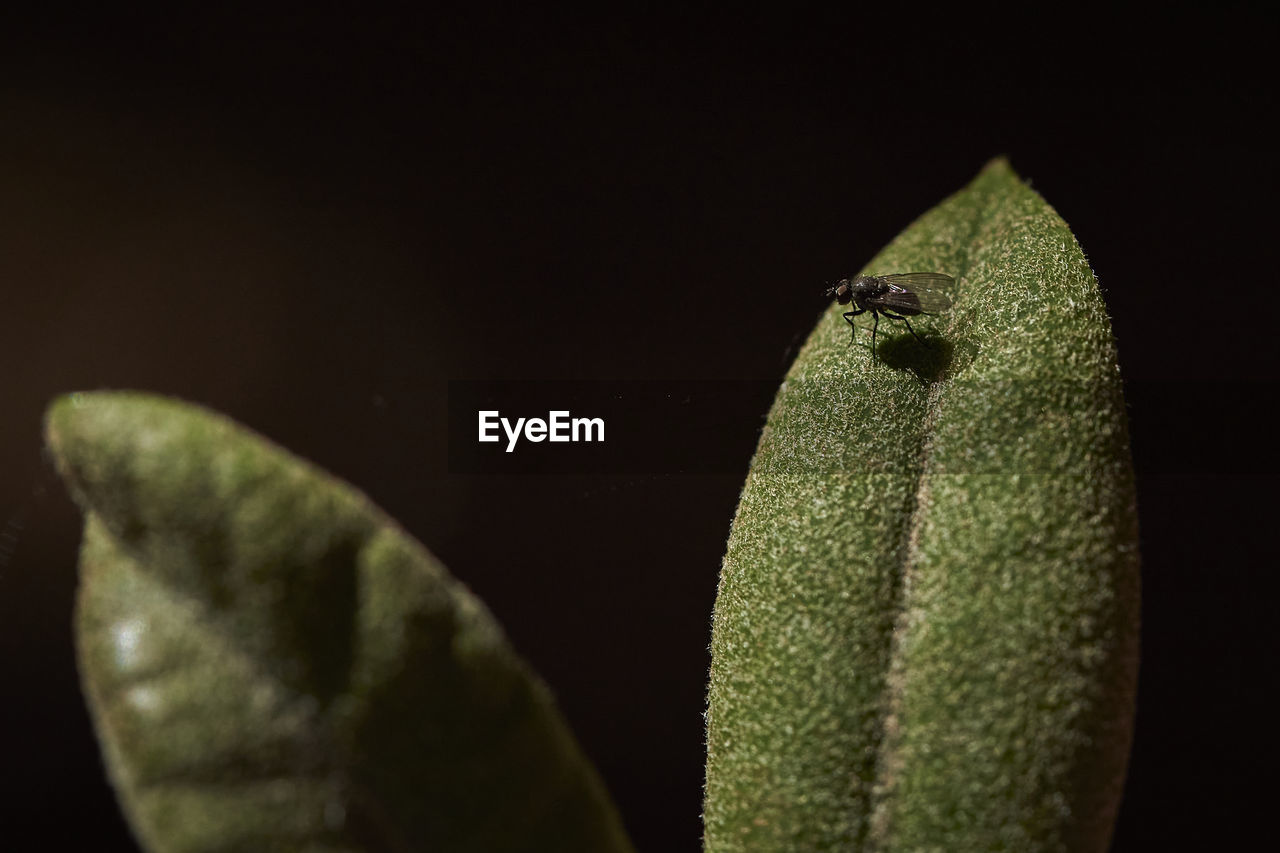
(895, 296)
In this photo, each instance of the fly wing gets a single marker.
(931, 291)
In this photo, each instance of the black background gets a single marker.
(312, 221)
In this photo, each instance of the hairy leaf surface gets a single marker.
(273, 664)
(925, 636)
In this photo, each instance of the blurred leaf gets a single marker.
(926, 631)
(272, 664)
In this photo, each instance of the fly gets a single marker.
(895, 296)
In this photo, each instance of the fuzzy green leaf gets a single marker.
(926, 631)
(272, 664)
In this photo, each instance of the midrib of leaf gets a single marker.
(877, 828)
(362, 807)
(825, 368)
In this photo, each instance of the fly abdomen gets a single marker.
(898, 300)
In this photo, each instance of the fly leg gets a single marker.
(874, 355)
(848, 316)
(903, 319)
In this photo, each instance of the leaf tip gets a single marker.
(998, 164)
(79, 427)
(60, 423)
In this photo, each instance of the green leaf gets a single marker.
(926, 631)
(273, 664)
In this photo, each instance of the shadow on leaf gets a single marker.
(928, 360)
